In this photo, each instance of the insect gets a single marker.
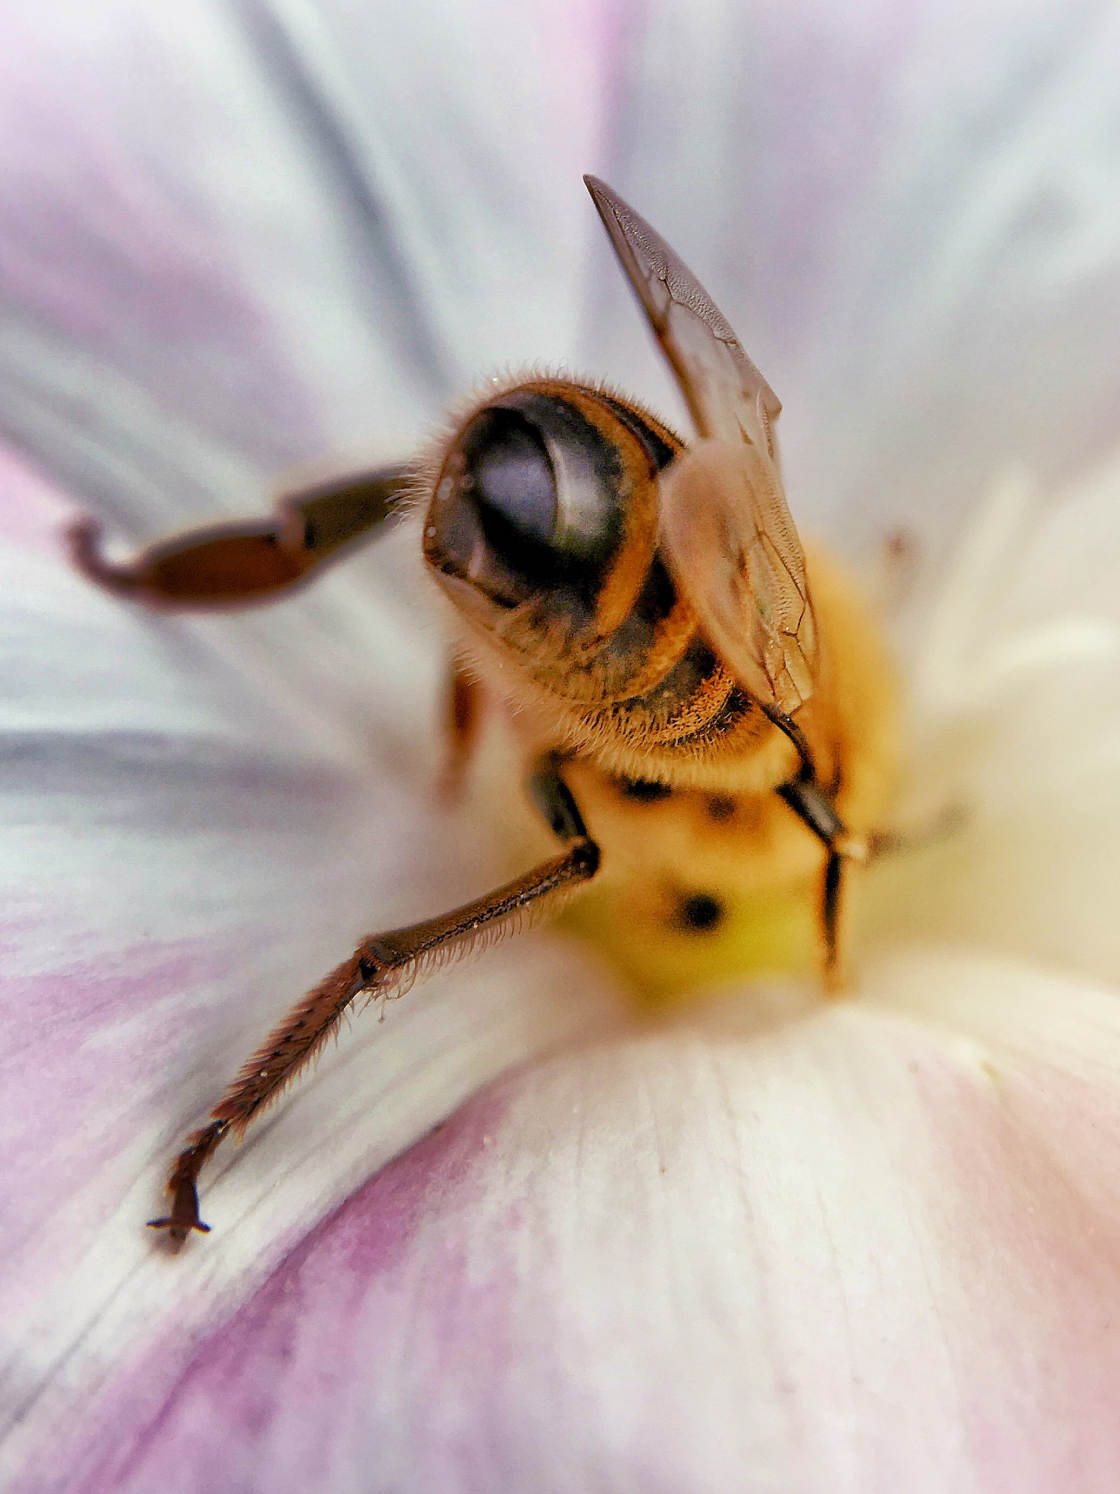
(702, 705)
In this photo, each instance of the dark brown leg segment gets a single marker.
(259, 560)
(830, 919)
(464, 717)
(815, 808)
(383, 965)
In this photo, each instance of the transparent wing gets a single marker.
(742, 569)
(726, 527)
(726, 394)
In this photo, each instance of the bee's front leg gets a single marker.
(254, 560)
(382, 965)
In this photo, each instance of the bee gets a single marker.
(702, 704)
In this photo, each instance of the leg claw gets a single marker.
(184, 1213)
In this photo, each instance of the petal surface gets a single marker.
(1014, 694)
(867, 1254)
(908, 214)
(207, 275)
(862, 1247)
(224, 266)
(251, 254)
(180, 860)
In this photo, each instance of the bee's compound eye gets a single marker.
(509, 475)
(530, 498)
(493, 514)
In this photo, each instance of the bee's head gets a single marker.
(543, 516)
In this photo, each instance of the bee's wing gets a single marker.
(735, 555)
(726, 394)
(726, 528)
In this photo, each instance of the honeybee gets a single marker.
(703, 706)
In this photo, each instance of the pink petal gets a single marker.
(202, 818)
(867, 1246)
(169, 888)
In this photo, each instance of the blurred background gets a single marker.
(238, 237)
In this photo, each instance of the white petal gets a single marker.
(250, 263)
(1015, 683)
(226, 264)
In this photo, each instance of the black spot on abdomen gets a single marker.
(721, 807)
(700, 912)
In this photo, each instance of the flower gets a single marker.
(772, 1243)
